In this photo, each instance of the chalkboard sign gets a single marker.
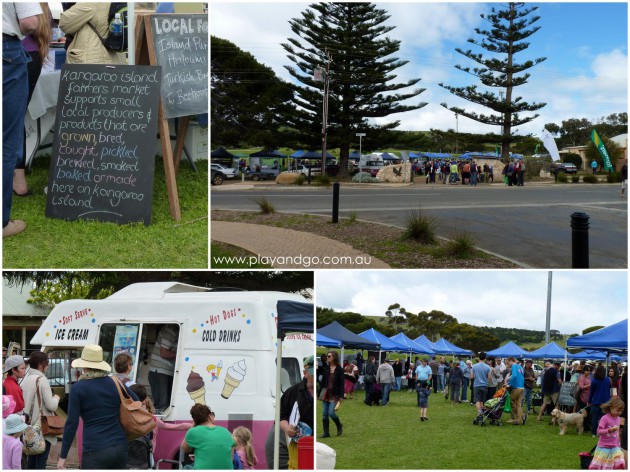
(181, 48)
(566, 390)
(103, 157)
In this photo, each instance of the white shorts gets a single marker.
(624, 184)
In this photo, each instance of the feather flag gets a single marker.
(599, 144)
(550, 144)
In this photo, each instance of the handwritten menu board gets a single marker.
(103, 157)
(181, 48)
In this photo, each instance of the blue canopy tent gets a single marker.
(325, 341)
(268, 153)
(293, 316)
(550, 351)
(613, 338)
(592, 355)
(316, 155)
(412, 346)
(347, 338)
(426, 342)
(355, 155)
(509, 349)
(387, 345)
(453, 349)
(298, 154)
(389, 157)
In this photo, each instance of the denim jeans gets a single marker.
(440, 382)
(528, 399)
(14, 96)
(328, 410)
(161, 386)
(385, 388)
(398, 382)
(114, 457)
(465, 389)
(596, 415)
(473, 178)
(38, 462)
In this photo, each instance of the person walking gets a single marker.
(624, 177)
(434, 373)
(332, 388)
(479, 375)
(424, 390)
(369, 378)
(550, 388)
(594, 166)
(95, 399)
(456, 378)
(385, 377)
(398, 372)
(598, 395)
(18, 20)
(516, 386)
(465, 366)
(609, 455)
(37, 390)
(530, 381)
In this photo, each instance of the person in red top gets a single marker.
(15, 368)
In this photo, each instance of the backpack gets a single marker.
(110, 43)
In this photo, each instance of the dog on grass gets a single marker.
(565, 419)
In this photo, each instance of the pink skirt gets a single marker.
(607, 458)
(348, 386)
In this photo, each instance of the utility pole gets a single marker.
(456, 132)
(548, 324)
(326, 79)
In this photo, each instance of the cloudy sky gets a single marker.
(585, 74)
(514, 299)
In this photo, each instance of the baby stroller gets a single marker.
(493, 409)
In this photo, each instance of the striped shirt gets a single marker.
(167, 339)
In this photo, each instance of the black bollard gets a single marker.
(579, 240)
(335, 210)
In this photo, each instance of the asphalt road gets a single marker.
(530, 224)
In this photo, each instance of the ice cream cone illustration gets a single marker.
(196, 388)
(219, 367)
(234, 377)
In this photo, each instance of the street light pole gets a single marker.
(318, 78)
(360, 135)
(456, 132)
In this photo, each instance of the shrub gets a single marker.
(420, 227)
(589, 179)
(461, 246)
(265, 206)
(575, 178)
(323, 180)
(613, 177)
(300, 180)
(364, 177)
(562, 178)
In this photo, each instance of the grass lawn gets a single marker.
(393, 437)
(54, 243)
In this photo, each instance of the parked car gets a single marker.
(216, 177)
(228, 172)
(304, 170)
(566, 167)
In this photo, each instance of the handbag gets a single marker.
(508, 405)
(33, 442)
(51, 425)
(586, 458)
(135, 420)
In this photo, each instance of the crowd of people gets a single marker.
(94, 398)
(468, 172)
(602, 392)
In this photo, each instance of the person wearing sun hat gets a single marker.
(95, 399)
(12, 429)
(8, 405)
(15, 368)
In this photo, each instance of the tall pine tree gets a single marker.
(505, 38)
(361, 76)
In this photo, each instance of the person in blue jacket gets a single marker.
(598, 395)
(95, 399)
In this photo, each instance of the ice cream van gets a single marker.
(225, 350)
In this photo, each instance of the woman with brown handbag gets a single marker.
(95, 399)
(36, 380)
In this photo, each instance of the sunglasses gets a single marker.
(329, 356)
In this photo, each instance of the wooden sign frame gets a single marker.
(145, 54)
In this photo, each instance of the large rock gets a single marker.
(398, 173)
(287, 178)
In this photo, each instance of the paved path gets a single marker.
(289, 249)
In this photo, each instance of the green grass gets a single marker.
(222, 250)
(54, 243)
(393, 438)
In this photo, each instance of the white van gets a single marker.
(226, 350)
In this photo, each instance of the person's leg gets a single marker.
(517, 405)
(596, 415)
(368, 392)
(385, 388)
(464, 395)
(14, 96)
(325, 419)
